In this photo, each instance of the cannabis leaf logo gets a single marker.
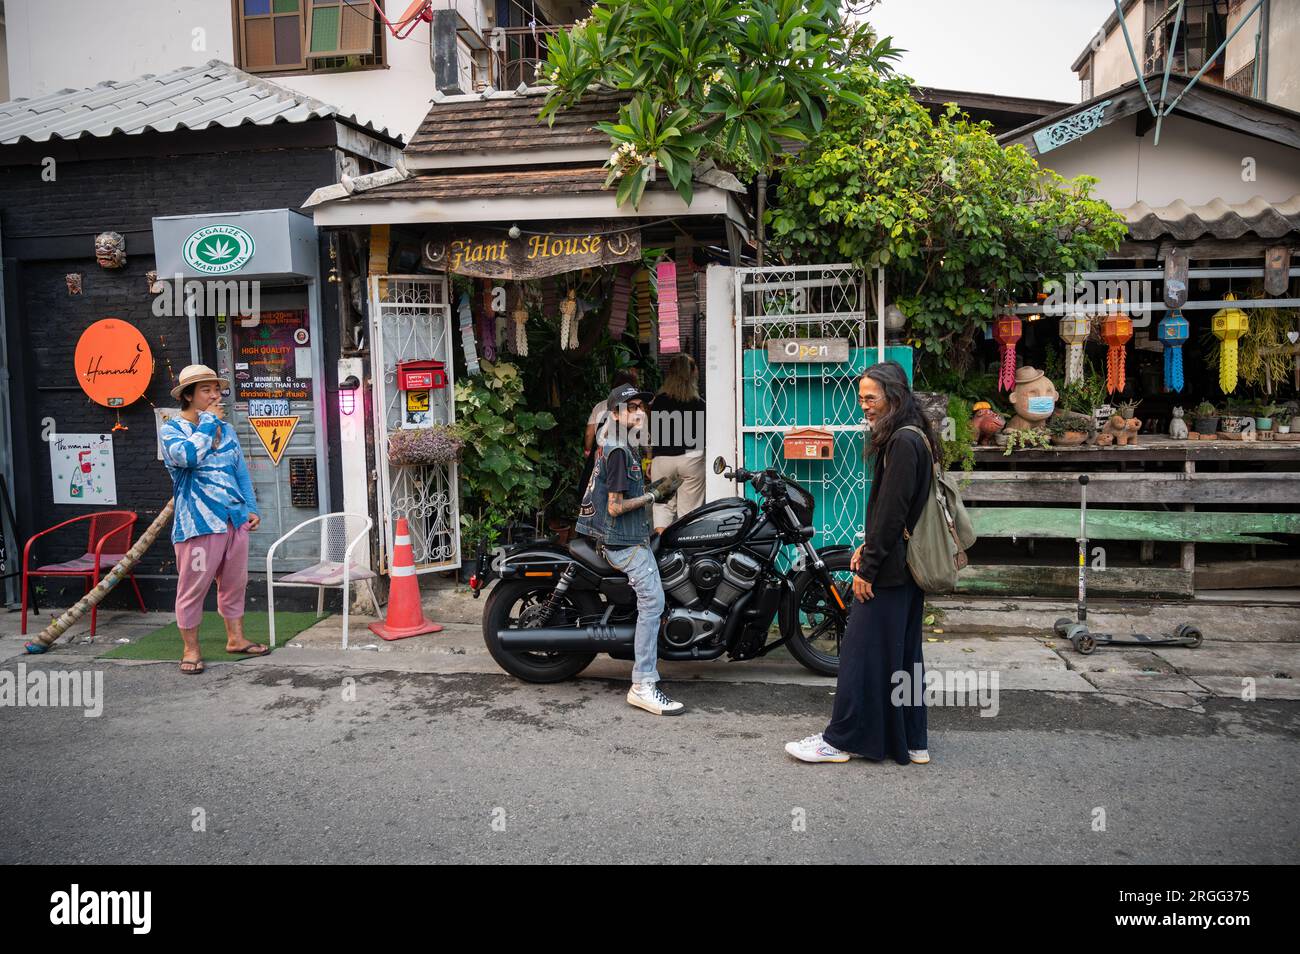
(217, 250)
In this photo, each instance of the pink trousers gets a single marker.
(213, 556)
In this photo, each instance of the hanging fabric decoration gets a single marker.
(467, 334)
(1116, 331)
(568, 318)
(669, 334)
(620, 299)
(1173, 332)
(1229, 324)
(1074, 331)
(643, 306)
(550, 299)
(487, 323)
(519, 318)
(1006, 332)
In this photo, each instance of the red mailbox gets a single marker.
(809, 443)
(421, 375)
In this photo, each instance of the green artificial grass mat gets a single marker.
(165, 642)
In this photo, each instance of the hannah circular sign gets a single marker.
(218, 249)
(114, 362)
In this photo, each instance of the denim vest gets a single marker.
(594, 520)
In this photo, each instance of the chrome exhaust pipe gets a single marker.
(597, 638)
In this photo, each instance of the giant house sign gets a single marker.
(485, 253)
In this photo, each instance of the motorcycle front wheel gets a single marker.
(811, 620)
(517, 604)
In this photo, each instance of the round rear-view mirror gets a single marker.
(719, 465)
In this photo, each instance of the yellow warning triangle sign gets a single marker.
(274, 433)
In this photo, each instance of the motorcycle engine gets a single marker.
(692, 622)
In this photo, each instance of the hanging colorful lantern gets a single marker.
(520, 318)
(568, 320)
(1074, 331)
(467, 334)
(1006, 332)
(1228, 325)
(1116, 331)
(1173, 332)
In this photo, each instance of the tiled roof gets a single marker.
(1217, 219)
(193, 97)
(501, 123)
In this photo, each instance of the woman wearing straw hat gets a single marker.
(215, 510)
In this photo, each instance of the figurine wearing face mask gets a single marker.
(1033, 397)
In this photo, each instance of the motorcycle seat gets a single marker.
(584, 551)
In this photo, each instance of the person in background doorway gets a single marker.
(677, 439)
(883, 635)
(215, 510)
(595, 435)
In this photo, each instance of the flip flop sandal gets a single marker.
(196, 666)
(250, 651)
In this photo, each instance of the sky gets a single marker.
(1011, 47)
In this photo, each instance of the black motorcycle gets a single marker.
(554, 608)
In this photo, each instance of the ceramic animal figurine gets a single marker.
(986, 423)
(1177, 426)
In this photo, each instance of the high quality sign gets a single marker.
(482, 253)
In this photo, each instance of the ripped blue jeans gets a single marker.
(643, 576)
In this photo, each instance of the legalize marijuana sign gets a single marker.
(218, 249)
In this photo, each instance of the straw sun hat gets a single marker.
(196, 374)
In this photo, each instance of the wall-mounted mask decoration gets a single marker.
(73, 281)
(110, 250)
(155, 286)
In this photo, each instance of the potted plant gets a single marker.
(1233, 420)
(1069, 428)
(1025, 438)
(1264, 416)
(1205, 418)
(483, 530)
(439, 444)
(1283, 418)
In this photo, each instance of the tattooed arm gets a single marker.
(619, 505)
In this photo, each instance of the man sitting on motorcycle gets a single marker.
(615, 512)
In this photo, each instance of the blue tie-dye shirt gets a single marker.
(210, 479)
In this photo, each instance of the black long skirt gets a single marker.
(878, 715)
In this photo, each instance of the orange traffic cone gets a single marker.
(405, 616)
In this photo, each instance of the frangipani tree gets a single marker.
(720, 79)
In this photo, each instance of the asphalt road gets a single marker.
(280, 767)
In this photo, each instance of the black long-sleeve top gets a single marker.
(898, 492)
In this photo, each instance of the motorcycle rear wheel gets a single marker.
(512, 600)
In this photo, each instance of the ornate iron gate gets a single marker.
(410, 319)
(808, 302)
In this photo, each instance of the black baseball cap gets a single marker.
(627, 392)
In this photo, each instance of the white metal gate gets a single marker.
(410, 320)
(806, 301)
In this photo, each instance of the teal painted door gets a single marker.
(779, 396)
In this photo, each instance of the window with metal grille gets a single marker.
(277, 36)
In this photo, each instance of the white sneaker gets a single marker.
(816, 749)
(919, 756)
(648, 696)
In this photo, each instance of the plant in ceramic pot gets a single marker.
(1069, 428)
(1233, 420)
(1282, 416)
(1205, 418)
(1264, 416)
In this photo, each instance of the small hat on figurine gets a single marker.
(1027, 374)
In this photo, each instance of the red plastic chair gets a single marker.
(110, 538)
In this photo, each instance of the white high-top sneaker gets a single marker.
(816, 749)
(648, 696)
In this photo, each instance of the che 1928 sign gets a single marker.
(808, 350)
(484, 253)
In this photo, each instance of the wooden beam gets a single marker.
(1248, 575)
(1159, 525)
(1063, 581)
(991, 486)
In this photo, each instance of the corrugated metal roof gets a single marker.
(1218, 219)
(193, 97)
(506, 122)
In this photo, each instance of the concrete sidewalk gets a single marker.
(1255, 642)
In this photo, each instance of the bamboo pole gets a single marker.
(114, 576)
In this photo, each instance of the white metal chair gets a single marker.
(334, 567)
